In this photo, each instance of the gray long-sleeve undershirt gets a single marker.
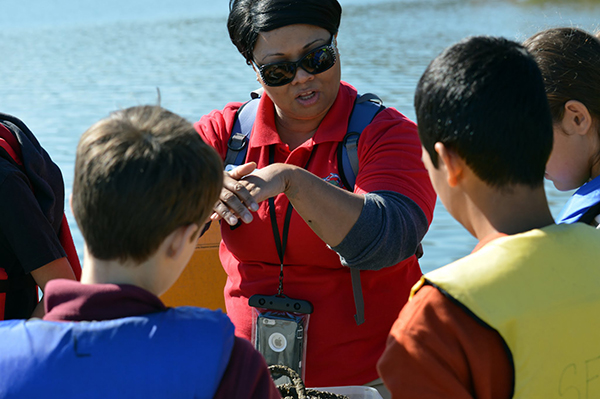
(388, 230)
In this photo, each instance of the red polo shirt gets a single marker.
(338, 351)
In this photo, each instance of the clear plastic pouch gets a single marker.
(280, 335)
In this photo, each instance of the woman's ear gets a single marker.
(257, 72)
(451, 162)
(577, 118)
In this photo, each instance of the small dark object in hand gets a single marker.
(297, 390)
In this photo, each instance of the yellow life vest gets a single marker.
(541, 291)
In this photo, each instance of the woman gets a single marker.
(569, 59)
(301, 119)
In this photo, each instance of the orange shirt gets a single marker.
(436, 349)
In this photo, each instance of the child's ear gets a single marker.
(577, 118)
(181, 238)
(452, 162)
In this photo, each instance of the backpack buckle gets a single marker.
(237, 142)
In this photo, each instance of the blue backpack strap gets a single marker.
(366, 107)
(237, 146)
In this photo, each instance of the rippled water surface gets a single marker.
(67, 63)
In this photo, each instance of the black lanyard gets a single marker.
(281, 241)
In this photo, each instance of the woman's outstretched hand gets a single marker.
(245, 187)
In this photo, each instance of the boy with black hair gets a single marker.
(144, 184)
(516, 318)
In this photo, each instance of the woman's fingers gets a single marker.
(233, 182)
(224, 212)
(237, 195)
(236, 201)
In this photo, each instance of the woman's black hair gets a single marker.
(247, 18)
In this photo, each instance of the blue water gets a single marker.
(64, 64)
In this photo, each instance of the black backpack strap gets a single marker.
(257, 93)
(366, 107)
(237, 146)
(4, 288)
(590, 215)
(359, 301)
(16, 283)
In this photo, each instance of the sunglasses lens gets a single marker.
(278, 74)
(318, 61)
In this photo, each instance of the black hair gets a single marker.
(484, 98)
(247, 18)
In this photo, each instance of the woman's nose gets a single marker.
(302, 76)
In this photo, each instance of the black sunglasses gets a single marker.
(314, 62)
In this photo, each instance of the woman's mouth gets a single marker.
(308, 97)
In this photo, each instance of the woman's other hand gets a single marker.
(328, 210)
(267, 182)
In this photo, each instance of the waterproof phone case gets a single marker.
(280, 336)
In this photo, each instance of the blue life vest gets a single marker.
(179, 353)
